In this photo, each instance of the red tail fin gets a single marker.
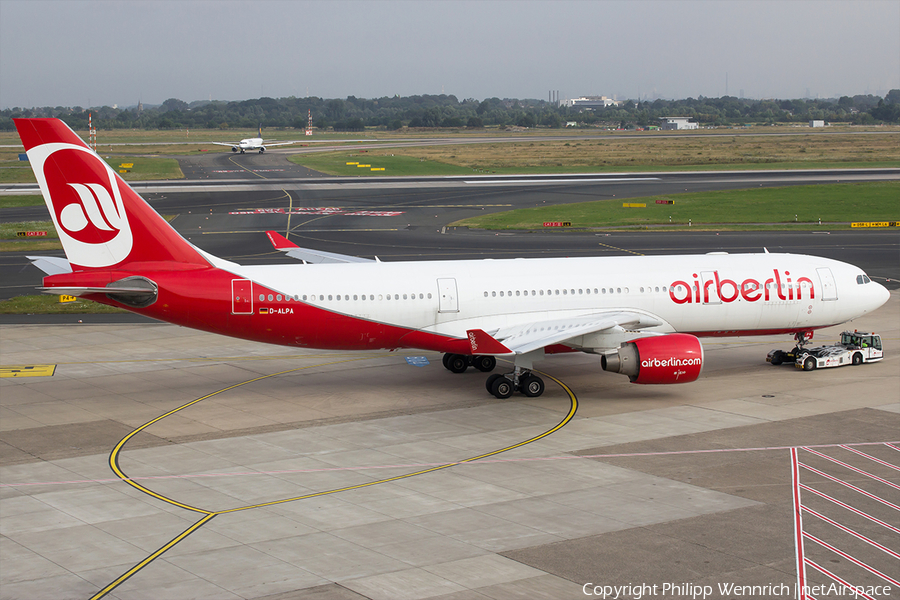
(101, 221)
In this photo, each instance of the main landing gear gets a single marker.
(501, 386)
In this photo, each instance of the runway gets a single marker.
(405, 219)
(160, 462)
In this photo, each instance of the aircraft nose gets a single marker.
(879, 295)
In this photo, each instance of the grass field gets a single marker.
(633, 153)
(349, 164)
(8, 231)
(532, 152)
(143, 169)
(775, 208)
(11, 242)
(46, 304)
(23, 200)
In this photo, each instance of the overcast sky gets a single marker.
(92, 53)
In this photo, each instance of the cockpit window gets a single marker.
(863, 279)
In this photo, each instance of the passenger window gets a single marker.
(262, 296)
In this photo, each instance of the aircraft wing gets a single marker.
(229, 144)
(608, 330)
(270, 144)
(308, 255)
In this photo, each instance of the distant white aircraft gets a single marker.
(257, 143)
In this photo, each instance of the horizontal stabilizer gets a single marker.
(81, 291)
(51, 265)
(279, 242)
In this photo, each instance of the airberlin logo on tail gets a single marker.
(86, 204)
(711, 289)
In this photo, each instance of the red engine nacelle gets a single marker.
(673, 358)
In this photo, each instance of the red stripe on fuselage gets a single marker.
(201, 299)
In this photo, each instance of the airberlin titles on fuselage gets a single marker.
(728, 290)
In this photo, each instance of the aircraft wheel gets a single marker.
(485, 364)
(857, 359)
(489, 383)
(809, 364)
(502, 388)
(457, 363)
(445, 361)
(532, 386)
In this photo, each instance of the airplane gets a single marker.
(642, 315)
(257, 143)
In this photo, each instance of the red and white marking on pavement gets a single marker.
(318, 210)
(801, 534)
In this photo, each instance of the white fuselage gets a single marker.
(711, 294)
(251, 144)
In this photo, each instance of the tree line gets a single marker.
(447, 111)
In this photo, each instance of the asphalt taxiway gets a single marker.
(227, 214)
(280, 473)
(160, 462)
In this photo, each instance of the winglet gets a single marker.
(483, 343)
(279, 241)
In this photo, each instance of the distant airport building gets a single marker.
(591, 102)
(676, 123)
(817, 123)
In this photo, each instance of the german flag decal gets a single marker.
(264, 311)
